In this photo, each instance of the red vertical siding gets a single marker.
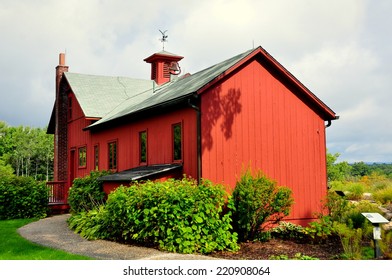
(252, 119)
(159, 141)
(76, 139)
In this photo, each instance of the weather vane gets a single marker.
(164, 38)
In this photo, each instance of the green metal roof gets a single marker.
(99, 95)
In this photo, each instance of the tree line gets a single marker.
(26, 151)
(343, 170)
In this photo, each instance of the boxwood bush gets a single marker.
(176, 215)
(22, 197)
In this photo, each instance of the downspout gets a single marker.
(198, 132)
(329, 122)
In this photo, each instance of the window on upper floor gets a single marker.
(112, 155)
(177, 141)
(82, 151)
(143, 147)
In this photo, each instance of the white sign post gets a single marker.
(376, 219)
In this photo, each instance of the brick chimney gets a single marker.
(163, 65)
(60, 135)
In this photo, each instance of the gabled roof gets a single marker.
(111, 98)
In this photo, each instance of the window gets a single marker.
(96, 157)
(177, 142)
(143, 146)
(82, 151)
(112, 150)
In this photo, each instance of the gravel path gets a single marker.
(54, 232)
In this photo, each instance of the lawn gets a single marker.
(15, 247)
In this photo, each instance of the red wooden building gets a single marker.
(245, 111)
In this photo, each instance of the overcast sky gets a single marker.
(341, 50)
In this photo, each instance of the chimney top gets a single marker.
(62, 59)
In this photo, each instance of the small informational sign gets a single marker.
(375, 218)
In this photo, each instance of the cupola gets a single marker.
(163, 66)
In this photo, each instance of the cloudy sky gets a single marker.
(341, 50)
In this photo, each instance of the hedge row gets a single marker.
(22, 197)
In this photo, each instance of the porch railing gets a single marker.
(58, 192)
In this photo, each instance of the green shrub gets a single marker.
(337, 186)
(352, 190)
(386, 244)
(86, 193)
(383, 196)
(336, 206)
(90, 224)
(355, 190)
(258, 200)
(288, 231)
(321, 230)
(354, 218)
(177, 215)
(351, 240)
(22, 197)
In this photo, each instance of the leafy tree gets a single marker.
(337, 171)
(360, 169)
(5, 169)
(28, 150)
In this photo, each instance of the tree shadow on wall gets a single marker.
(220, 105)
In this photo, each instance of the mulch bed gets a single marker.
(275, 247)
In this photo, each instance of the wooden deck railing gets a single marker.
(58, 192)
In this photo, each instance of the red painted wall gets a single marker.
(248, 119)
(252, 119)
(159, 141)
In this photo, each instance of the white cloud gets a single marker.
(339, 74)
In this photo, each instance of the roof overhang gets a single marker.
(142, 173)
(162, 56)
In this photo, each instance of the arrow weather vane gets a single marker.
(164, 38)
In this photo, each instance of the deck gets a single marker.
(58, 197)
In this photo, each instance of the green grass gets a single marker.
(15, 247)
